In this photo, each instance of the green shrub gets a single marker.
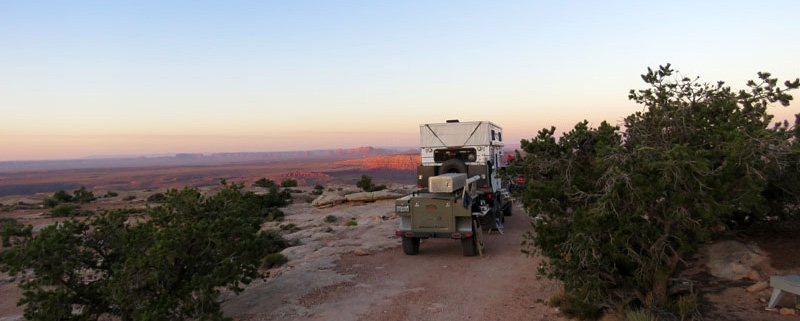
(65, 210)
(687, 305)
(156, 198)
(291, 227)
(330, 218)
(83, 196)
(351, 222)
(639, 315)
(50, 202)
(112, 194)
(366, 184)
(288, 183)
(265, 183)
(171, 266)
(62, 197)
(618, 210)
(316, 192)
(574, 307)
(11, 228)
(274, 260)
(319, 187)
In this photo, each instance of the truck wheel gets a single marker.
(410, 245)
(469, 246)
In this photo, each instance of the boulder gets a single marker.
(385, 195)
(360, 197)
(753, 275)
(757, 287)
(732, 260)
(328, 199)
(360, 252)
(787, 311)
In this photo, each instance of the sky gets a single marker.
(82, 78)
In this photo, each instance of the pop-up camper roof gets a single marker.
(457, 134)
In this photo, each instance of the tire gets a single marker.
(469, 246)
(453, 166)
(508, 209)
(410, 245)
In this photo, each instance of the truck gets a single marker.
(460, 192)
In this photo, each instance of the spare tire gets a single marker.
(453, 166)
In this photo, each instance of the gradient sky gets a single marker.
(81, 78)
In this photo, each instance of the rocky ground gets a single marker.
(350, 267)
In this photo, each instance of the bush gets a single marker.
(289, 227)
(129, 198)
(171, 266)
(83, 196)
(274, 260)
(617, 211)
(351, 222)
(66, 210)
(639, 315)
(316, 192)
(330, 218)
(62, 197)
(11, 228)
(49, 202)
(265, 183)
(288, 183)
(156, 198)
(112, 194)
(366, 184)
(319, 187)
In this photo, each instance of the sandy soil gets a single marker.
(438, 283)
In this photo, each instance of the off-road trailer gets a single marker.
(459, 189)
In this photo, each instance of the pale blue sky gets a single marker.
(143, 77)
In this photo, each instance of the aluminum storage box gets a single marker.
(447, 183)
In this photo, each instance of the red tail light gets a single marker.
(467, 234)
(520, 179)
(409, 234)
(489, 195)
(485, 185)
(456, 235)
(399, 233)
(419, 186)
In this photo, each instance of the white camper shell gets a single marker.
(484, 136)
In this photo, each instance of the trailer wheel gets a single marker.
(469, 246)
(508, 208)
(410, 245)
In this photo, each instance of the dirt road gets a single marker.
(438, 283)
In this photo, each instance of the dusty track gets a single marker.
(438, 283)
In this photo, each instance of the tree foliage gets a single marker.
(170, 266)
(617, 210)
(265, 183)
(289, 183)
(365, 183)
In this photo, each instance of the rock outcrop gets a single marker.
(732, 260)
(336, 198)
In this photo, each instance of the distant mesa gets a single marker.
(396, 162)
(303, 174)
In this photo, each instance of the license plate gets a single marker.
(402, 208)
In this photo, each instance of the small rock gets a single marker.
(762, 300)
(360, 252)
(786, 311)
(757, 287)
(753, 275)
